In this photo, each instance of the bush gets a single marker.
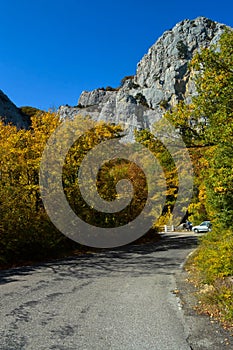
(182, 49)
(127, 77)
(211, 269)
(164, 104)
(215, 255)
(140, 98)
(110, 88)
(29, 111)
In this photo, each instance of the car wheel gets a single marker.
(196, 230)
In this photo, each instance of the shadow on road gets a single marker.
(135, 260)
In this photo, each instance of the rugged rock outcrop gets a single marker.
(162, 79)
(9, 113)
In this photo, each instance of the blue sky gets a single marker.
(51, 50)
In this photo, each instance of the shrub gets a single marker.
(140, 98)
(127, 77)
(29, 111)
(164, 104)
(110, 88)
(215, 255)
(182, 49)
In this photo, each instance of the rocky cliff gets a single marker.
(9, 113)
(162, 79)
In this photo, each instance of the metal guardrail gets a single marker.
(167, 228)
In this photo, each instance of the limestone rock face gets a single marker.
(9, 113)
(163, 72)
(162, 79)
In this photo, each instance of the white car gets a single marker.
(205, 226)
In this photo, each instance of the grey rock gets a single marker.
(162, 79)
(163, 71)
(9, 113)
(94, 97)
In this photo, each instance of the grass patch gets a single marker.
(211, 271)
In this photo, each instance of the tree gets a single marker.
(169, 168)
(26, 232)
(207, 125)
(215, 103)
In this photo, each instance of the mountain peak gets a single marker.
(162, 79)
(163, 71)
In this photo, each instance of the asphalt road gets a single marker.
(118, 299)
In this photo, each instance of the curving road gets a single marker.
(118, 299)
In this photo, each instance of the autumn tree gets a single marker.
(207, 127)
(146, 138)
(26, 232)
(215, 103)
(207, 124)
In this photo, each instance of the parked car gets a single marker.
(205, 226)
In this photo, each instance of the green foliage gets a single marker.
(30, 111)
(198, 210)
(110, 88)
(26, 233)
(108, 176)
(186, 120)
(215, 86)
(127, 77)
(164, 157)
(207, 125)
(219, 185)
(164, 104)
(213, 264)
(140, 98)
(182, 49)
(215, 255)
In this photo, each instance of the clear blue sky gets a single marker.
(51, 50)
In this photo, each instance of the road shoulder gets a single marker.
(203, 332)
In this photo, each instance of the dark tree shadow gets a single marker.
(135, 260)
